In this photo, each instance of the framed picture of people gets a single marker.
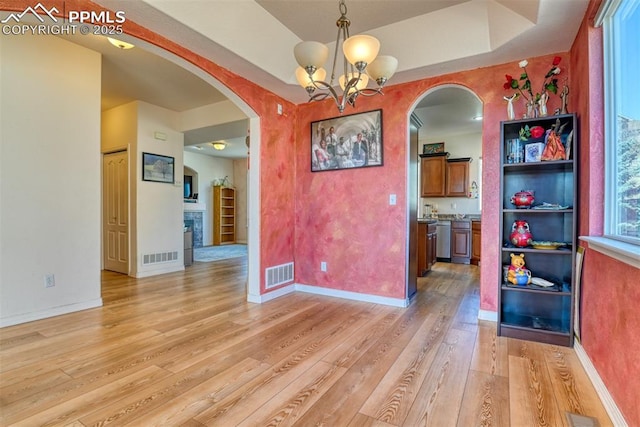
(347, 142)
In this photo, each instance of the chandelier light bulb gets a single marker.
(305, 81)
(382, 68)
(361, 49)
(362, 82)
(311, 54)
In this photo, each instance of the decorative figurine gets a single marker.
(517, 274)
(520, 234)
(523, 199)
(510, 112)
(565, 97)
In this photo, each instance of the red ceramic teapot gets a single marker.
(520, 234)
(523, 199)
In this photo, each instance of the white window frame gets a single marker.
(622, 248)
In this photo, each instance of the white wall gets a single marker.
(208, 168)
(465, 145)
(49, 177)
(158, 206)
(241, 178)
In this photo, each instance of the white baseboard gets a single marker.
(355, 296)
(259, 299)
(607, 400)
(51, 312)
(491, 316)
(148, 273)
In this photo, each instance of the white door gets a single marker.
(115, 193)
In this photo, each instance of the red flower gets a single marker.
(556, 60)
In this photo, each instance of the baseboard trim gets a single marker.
(52, 312)
(355, 296)
(271, 295)
(491, 316)
(149, 273)
(607, 400)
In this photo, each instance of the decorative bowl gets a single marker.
(547, 245)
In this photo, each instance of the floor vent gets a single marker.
(159, 257)
(576, 420)
(278, 275)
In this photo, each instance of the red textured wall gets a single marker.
(344, 217)
(610, 317)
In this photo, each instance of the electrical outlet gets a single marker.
(49, 281)
(323, 266)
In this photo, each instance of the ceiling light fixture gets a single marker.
(219, 145)
(120, 44)
(359, 56)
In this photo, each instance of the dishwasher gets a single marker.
(443, 246)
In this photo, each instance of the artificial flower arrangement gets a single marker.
(550, 82)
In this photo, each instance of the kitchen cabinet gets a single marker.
(224, 215)
(433, 170)
(539, 312)
(426, 252)
(476, 239)
(461, 242)
(457, 177)
(442, 177)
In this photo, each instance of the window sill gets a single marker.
(625, 252)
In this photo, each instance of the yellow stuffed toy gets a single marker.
(518, 275)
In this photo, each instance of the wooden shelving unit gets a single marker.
(531, 312)
(224, 215)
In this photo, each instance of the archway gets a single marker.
(452, 113)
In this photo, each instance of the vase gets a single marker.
(533, 110)
(543, 104)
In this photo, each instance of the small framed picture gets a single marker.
(157, 168)
(533, 152)
(437, 147)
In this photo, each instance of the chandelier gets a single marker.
(360, 64)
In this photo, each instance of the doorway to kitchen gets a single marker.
(445, 179)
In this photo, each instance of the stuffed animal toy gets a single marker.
(517, 274)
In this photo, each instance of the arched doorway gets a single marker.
(253, 196)
(449, 114)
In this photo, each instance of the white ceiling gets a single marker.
(255, 39)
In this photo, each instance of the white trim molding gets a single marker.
(356, 296)
(271, 295)
(616, 249)
(52, 312)
(607, 400)
(491, 316)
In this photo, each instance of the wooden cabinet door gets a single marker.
(476, 239)
(432, 242)
(461, 242)
(421, 252)
(432, 173)
(457, 179)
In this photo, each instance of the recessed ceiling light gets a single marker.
(477, 118)
(120, 44)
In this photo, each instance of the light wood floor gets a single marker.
(187, 349)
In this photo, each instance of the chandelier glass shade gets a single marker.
(361, 63)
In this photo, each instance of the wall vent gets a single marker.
(278, 275)
(159, 257)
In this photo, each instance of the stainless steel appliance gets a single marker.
(443, 248)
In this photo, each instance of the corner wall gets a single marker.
(609, 313)
(49, 177)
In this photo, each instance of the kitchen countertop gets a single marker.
(450, 217)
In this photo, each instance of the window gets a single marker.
(621, 24)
